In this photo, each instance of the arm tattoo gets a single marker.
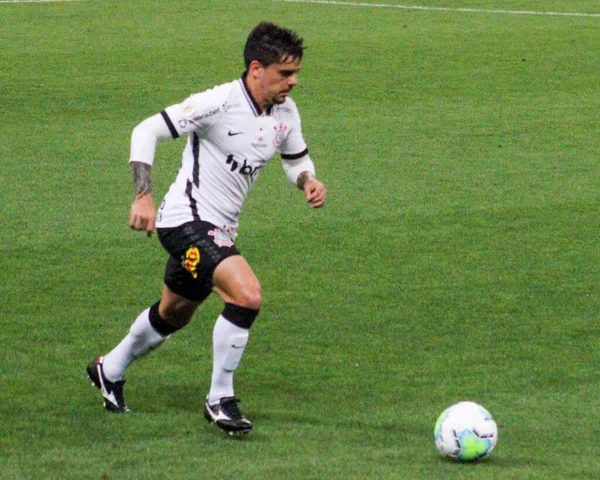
(302, 178)
(141, 178)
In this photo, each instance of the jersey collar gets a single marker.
(251, 101)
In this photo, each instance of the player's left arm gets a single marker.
(301, 172)
(314, 190)
(298, 166)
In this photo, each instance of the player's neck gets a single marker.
(256, 93)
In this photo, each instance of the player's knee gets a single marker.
(250, 297)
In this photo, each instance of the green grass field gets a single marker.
(457, 257)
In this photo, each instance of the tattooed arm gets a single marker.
(314, 191)
(301, 172)
(141, 178)
(143, 212)
(302, 178)
(144, 138)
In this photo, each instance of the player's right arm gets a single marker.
(143, 145)
(195, 113)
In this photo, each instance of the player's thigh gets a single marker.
(235, 282)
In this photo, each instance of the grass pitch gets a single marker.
(457, 257)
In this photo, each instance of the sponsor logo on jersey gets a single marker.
(230, 106)
(188, 109)
(192, 258)
(210, 113)
(279, 135)
(260, 143)
(221, 238)
(244, 168)
(199, 118)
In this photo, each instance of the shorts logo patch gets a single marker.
(221, 238)
(192, 257)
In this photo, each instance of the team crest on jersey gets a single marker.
(192, 258)
(279, 135)
(221, 238)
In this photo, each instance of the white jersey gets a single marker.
(230, 139)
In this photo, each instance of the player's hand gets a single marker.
(143, 214)
(315, 192)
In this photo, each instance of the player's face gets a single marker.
(278, 80)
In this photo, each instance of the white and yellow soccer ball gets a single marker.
(465, 432)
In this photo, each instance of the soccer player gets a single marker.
(232, 132)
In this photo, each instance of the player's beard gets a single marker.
(279, 99)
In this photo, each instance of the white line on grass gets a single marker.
(39, 1)
(444, 9)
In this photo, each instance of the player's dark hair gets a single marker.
(269, 43)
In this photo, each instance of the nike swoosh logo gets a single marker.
(110, 396)
(231, 134)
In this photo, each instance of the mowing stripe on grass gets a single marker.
(444, 9)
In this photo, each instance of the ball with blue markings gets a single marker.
(465, 432)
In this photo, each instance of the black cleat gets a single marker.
(227, 416)
(112, 392)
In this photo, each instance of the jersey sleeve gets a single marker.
(293, 145)
(195, 113)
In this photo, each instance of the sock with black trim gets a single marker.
(147, 332)
(229, 342)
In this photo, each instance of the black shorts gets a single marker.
(195, 249)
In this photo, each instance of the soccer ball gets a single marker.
(465, 431)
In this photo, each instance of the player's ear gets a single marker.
(255, 68)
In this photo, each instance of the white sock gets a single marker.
(141, 339)
(229, 342)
